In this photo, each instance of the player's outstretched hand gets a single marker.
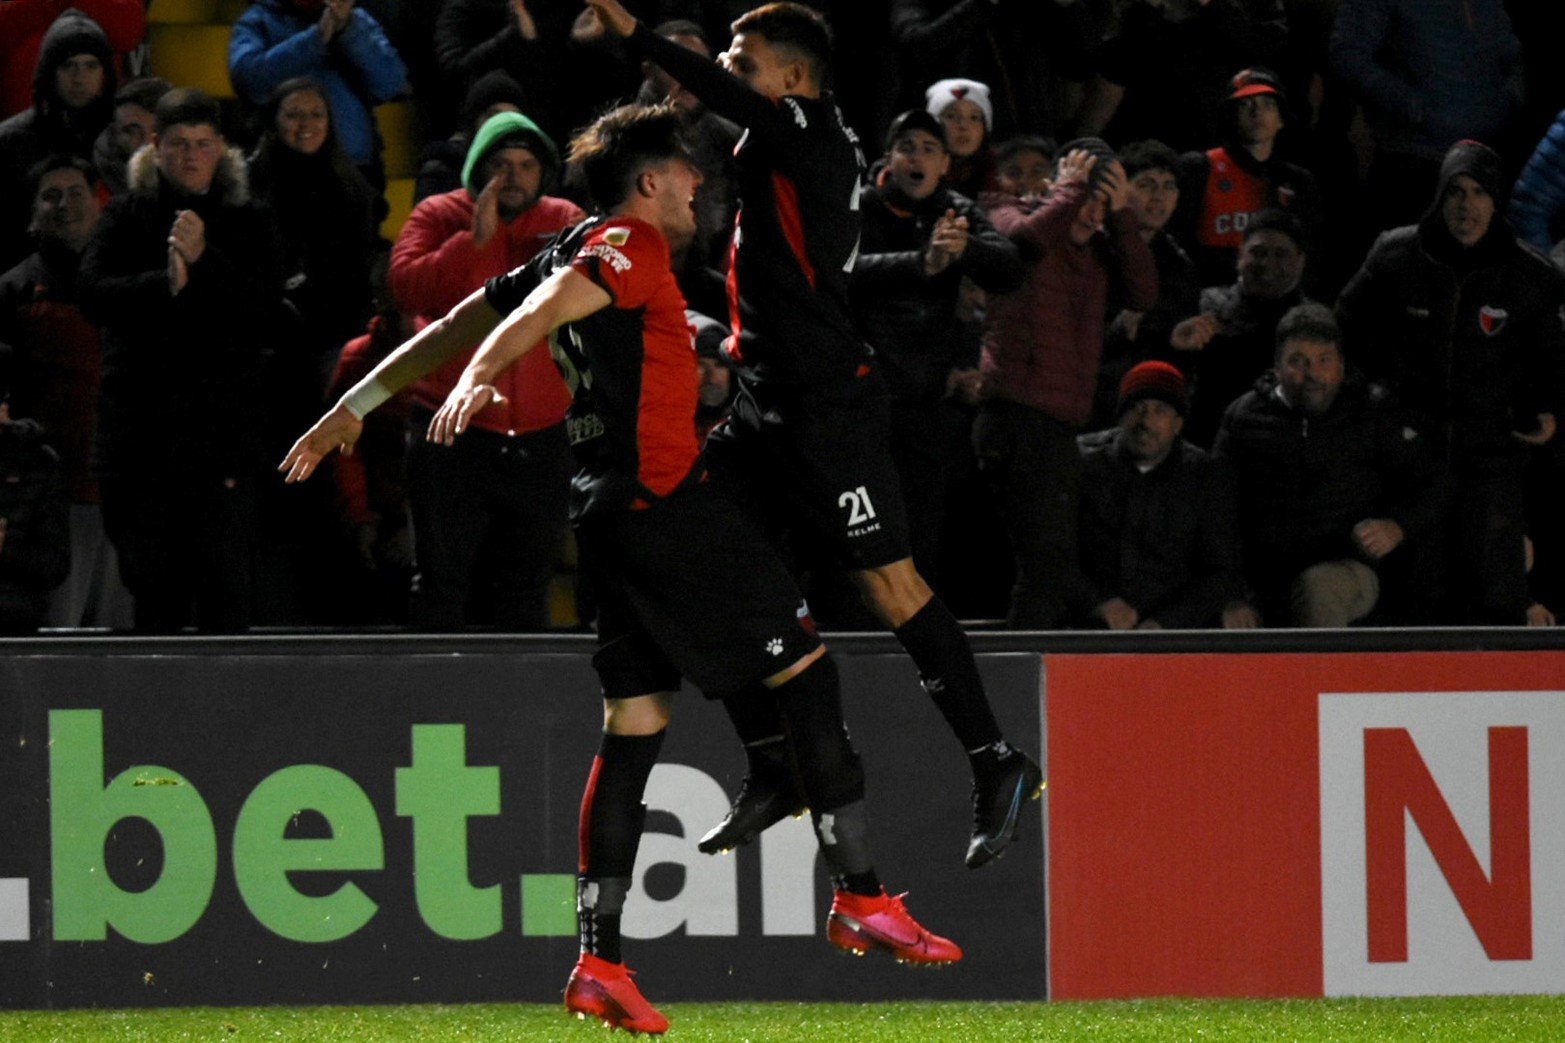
(338, 429)
(613, 16)
(458, 410)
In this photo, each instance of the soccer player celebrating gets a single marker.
(687, 586)
(807, 438)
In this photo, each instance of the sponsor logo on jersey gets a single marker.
(1492, 320)
(798, 112)
(583, 428)
(604, 252)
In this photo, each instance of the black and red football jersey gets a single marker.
(631, 367)
(800, 173)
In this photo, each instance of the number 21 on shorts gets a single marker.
(857, 503)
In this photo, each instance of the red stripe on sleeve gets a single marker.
(792, 223)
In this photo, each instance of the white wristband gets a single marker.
(364, 396)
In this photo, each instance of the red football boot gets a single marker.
(603, 990)
(859, 923)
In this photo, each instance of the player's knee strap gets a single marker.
(633, 665)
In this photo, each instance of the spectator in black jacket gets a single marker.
(1463, 323)
(919, 240)
(34, 527)
(1331, 482)
(1155, 539)
(184, 276)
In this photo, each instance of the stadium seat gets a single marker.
(399, 197)
(183, 12)
(398, 123)
(192, 56)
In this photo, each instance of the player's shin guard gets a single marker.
(832, 774)
(938, 647)
(610, 832)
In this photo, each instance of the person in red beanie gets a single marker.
(1156, 543)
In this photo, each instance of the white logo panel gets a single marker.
(1442, 914)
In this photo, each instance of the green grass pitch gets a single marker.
(1525, 1018)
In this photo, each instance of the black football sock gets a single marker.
(758, 723)
(946, 668)
(610, 832)
(831, 772)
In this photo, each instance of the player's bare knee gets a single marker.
(640, 715)
(896, 591)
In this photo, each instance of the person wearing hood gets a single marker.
(489, 513)
(339, 45)
(73, 100)
(1335, 492)
(184, 276)
(25, 23)
(57, 353)
(1222, 188)
(1463, 323)
(920, 239)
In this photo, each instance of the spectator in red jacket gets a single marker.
(488, 512)
(1040, 358)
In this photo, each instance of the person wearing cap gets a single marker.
(920, 240)
(966, 114)
(73, 100)
(1040, 358)
(1155, 539)
(338, 44)
(1463, 323)
(184, 275)
(489, 513)
(1222, 188)
(1228, 343)
(1335, 492)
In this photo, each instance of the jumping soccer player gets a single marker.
(687, 586)
(808, 435)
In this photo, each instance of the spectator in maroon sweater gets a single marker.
(1040, 358)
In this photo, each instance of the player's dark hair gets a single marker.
(1141, 156)
(144, 91)
(1024, 143)
(1309, 322)
(792, 27)
(618, 145)
(58, 161)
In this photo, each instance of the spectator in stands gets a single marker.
(1034, 51)
(440, 166)
(1428, 76)
(25, 23)
(919, 240)
(1040, 359)
(34, 526)
(965, 111)
(489, 511)
(717, 384)
(1538, 200)
(322, 208)
(1165, 73)
(1222, 188)
(73, 92)
(1156, 544)
(1463, 323)
(1024, 166)
(1230, 342)
(56, 355)
(1331, 483)
(132, 127)
(371, 482)
(339, 45)
(1136, 336)
(712, 140)
(184, 276)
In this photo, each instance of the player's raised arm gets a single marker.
(423, 353)
(564, 297)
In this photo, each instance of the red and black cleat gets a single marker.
(859, 923)
(603, 990)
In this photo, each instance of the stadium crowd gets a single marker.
(1195, 313)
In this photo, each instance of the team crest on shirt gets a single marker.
(617, 236)
(1492, 320)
